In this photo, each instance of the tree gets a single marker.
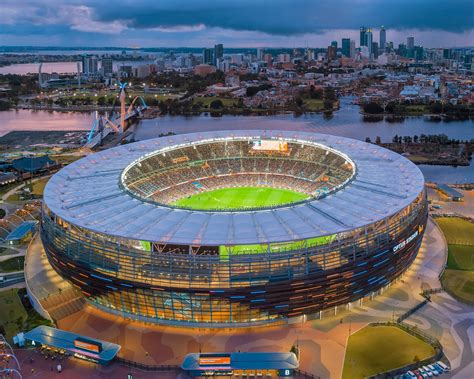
(368, 140)
(395, 138)
(328, 104)
(436, 108)
(378, 140)
(329, 93)
(415, 138)
(216, 104)
(315, 93)
(373, 108)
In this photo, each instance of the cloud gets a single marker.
(233, 22)
(293, 17)
(179, 28)
(81, 18)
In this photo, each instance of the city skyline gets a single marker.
(235, 24)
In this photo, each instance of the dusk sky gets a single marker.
(235, 23)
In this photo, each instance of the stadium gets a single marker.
(234, 228)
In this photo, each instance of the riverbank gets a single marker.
(433, 117)
(232, 111)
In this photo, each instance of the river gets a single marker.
(60, 67)
(346, 122)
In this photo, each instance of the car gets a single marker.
(434, 370)
(438, 367)
(410, 375)
(427, 371)
(418, 375)
(443, 366)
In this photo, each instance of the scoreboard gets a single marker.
(270, 145)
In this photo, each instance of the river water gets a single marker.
(59, 67)
(346, 122)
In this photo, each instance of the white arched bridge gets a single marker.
(103, 126)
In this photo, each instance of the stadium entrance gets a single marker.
(241, 365)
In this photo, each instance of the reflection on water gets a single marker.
(43, 120)
(346, 122)
(59, 67)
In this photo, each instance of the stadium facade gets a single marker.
(111, 228)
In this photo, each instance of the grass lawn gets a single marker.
(206, 101)
(37, 189)
(12, 264)
(461, 257)
(11, 310)
(66, 159)
(458, 278)
(243, 197)
(460, 284)
(376, 349)
(456, 230)
(314, 105)
(416, 109)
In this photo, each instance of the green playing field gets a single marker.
(243, 197)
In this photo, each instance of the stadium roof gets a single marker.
(88, 193)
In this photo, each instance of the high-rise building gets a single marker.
(375, 50)
(352, 49)
(383, 38)
(218, 52)
(107, 66)
(207, 56)
(369, 38)
(284, 58)
(363, 38)
(402, 49)
(331, 54)
(90, 64)
(418, 53)
(268, 58)
(260, 52)
(410, 43)
(334, 44)
(346, 47)
(447, 53)
(309, 54)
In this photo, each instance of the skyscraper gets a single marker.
(368, 40)
(89, 64)
(207, 56)
(346, 47)
(383, 38)
(107, 65)
(363, 38)
(334, 44)
(410, 43)
(331, 53)
(353, 49)
(260, 52)
(375, 50)
(218, 52)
